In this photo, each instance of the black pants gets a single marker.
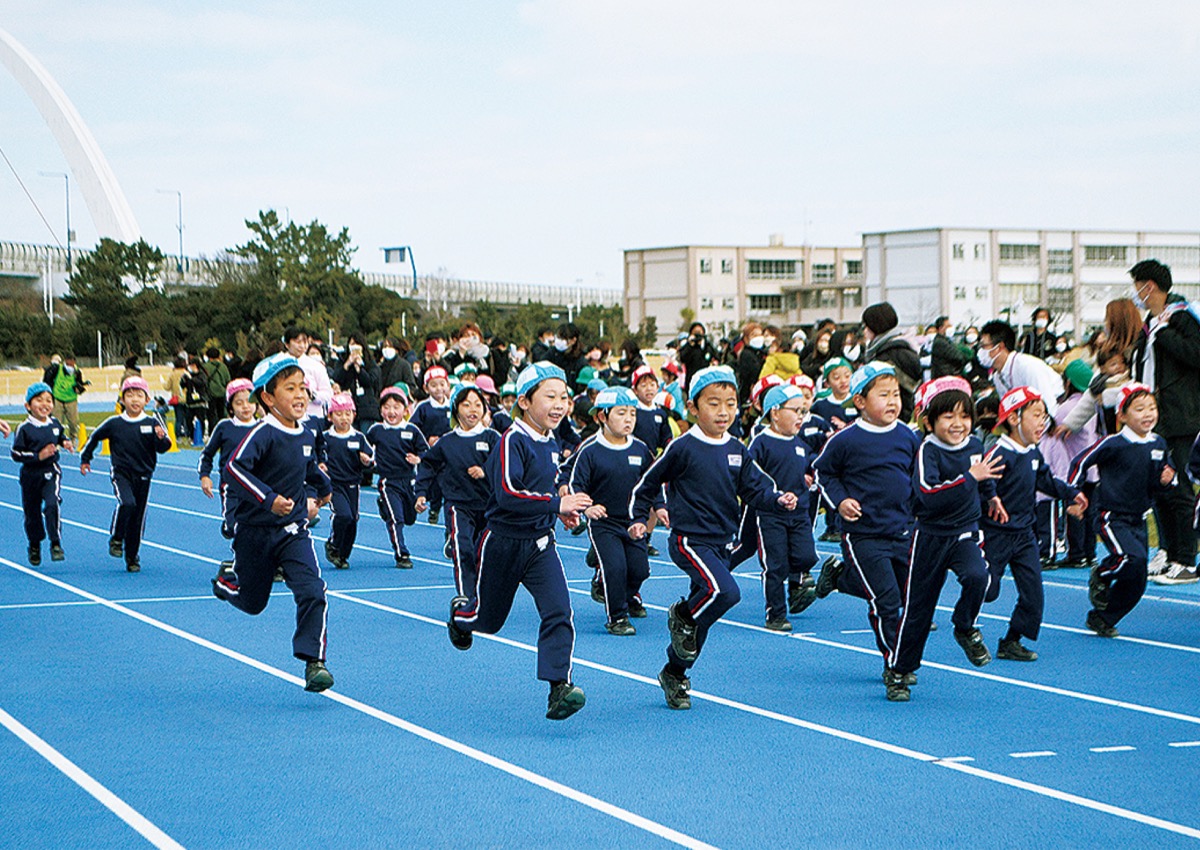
(1173, 508)
(129, 517)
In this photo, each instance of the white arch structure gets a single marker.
(105, 201)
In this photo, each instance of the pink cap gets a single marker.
(485, 383)
(135, 383)
(396, 391)
(931, 389)
(236, 386)
(341, 401)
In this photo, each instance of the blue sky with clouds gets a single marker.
(534, 141)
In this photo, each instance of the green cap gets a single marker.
(1079, 374)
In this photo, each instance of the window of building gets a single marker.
(726, 266)
(1175, 256)
(769, 303)
(957, 250)
(852, 298)
(979, 251)
(727, 303)
(854, 269)
(706, 303)
(1059, 261)
(810, 299)
(705, 266)
(960, 293)
(981, 293)
(1105, 255)
(823, 272)
(1018, 255)
(829, 299)
(774, 269)
(1061, 301)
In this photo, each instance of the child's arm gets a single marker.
(101, 433)
(510, 491)
(1164, 472)
(757, 488)
(1089, 457)
(366, 455)
(829, 466)
(237, 469)
(209, 455)
(649, 490)
(162, 440)
(431, 467)
(23, 450)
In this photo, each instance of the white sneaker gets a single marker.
(1158, 564)
(1177, 574)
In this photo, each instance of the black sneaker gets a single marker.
(683, 635)
(591, 558)
(897, 690)
(597, 588)
(779, 624)
(801, 594)
(315, 521)
(317, 677)
(565, 699)
(115, 548)
(57, 553)
(652, 551)
(827, 581)
(461, 638)
(973, 645)
(1097, 590)
(133, 566)
(1096, 623)
(637, 611)
(909, 679)
(433, 516)
(1049, 564)
(621, 627)
(675, 689)
(278, 577)
(35, 555)
(331, 554)
(404, 562)
(1075, 563)
(1014, 650)
(579, 529)
(829, 536)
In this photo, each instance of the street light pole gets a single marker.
(179, 195)
(67, 182)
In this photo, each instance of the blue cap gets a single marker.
(780, 395)
(535, 373)
(867, 373)
(269, 367)
(596, 385)
(611, 397)
(36, 389)
(708, 377)
(459, 390)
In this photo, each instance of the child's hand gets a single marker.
(837, 423)
(569, 521)
(206, 486)
(313, 508)
(996, 510)
(663, 517)
(323, 468)
(1168, 475)
(85, 468)
(596, 512)
(787, 501)
(432, 442)
(1075, 511)
(68, 446)
(563, 490)
(282, 506)
(1081, 502)
(364, 459)
(637, 531)
(809, 481)
(475, 472)
(850, 510)
(48, 451)
(573, 503)
(421, 504)
(412, 458)
(566, 453)
(5, 428)
(159, 432)
(988, 467)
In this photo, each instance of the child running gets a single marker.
(35, 447)
(1135, 466)
(951, 480)
(1009, 539)
(785, 538)
(135, 440)
(705, 471)
(399, 446)
(607, 467)
(347, 453)
(271, 514)
(457, 463)
(865, 473)
(431, 417)
(225, 438)
(517, 547)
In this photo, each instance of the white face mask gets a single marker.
(755, 342)
(1041, 324)
(1060, 347)
(479, 351)
(1138, 300)
(389, 353)
(852, 352)
(518, 357)
(560, 344)
(972, 338)
(441, 349)
(984, 356)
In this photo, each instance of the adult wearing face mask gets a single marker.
(1011, 369)
(819, 354)
(1167, 358)
(394, 368)
(568, 353)
(1039, 340)
(696, 353)
(750, 359)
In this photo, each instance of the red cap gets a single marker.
(639, 373)
(1128, 391)
(762, 385)
(1015, 399)
(434, 372)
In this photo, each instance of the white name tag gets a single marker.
(658, 419)
(353, 445)
(975, 459)
(1156, 454)
(360, 391)
(149, 429)
(54, 431)
(735, 460)
(808, 432)
(308, 451)
(1035, 464)
(482, 446)
(635, 460)
(405, 435)
(800, 450)
(554, 458)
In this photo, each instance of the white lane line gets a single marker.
(470, 752)
(1184, 744)
(856, 631)
(1078, 631)
(1120, 749)
(954, 763)
(131, 816)
(1033, 755)
(956, 760)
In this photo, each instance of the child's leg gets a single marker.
(123, 490)
(773, 552)
(226, 526)
(547, 583)
(298, 557)
(253, 568)
(998, 549)
(926, 575)
(637, 568)
(1027, 575)
(136, 524)
(464, 539)
(344, 527)
(392, 510)
(614, 572)
(501, 562)
(32, 496)
(870, 575)
(801, 547)
(1125, 570)
(967, 562)
(1044, 526)
(746, 544)
(713, 590)
(52, 498)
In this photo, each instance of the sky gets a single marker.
(535, 141)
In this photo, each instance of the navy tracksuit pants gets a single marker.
(746, 543)
(1124, 570)
(1081, 533)
(876, 568)
(226, 522)
(397, 506)
(1017, 550)
(505, 563)
(344, 507)
(465, 528)
(257, 551)
(933, 556)
(129, 517)
(713, 590)
(787, 550)
(624, 564)
(40, 499)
